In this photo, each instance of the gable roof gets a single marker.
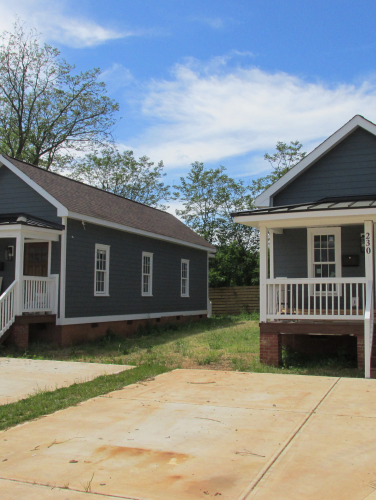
(80, 200)
(265, 198)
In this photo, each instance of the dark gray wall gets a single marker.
(290, 252)
(8, 274)
(16, 196)
(348, 169)
(125, 274)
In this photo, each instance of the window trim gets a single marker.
(106, 293)
(186, 294)
(150, 292)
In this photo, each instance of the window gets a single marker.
(147, 274)
(102, 268)
(324, 253)
(184, 278)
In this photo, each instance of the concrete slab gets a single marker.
(23, 377)
(192, 434)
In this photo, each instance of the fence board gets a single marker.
(234, 300)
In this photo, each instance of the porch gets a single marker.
(27, 285)
(316, 273)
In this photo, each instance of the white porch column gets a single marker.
(368, 323)
(19, 263)
(263, 272)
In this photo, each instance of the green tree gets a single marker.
(285, 157)
(46, 109)
(120, 173)
(209, 197)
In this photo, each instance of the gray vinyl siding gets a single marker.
(348, 169)
(8, 274)
(291, 255)
(16, 196)
(125, 274)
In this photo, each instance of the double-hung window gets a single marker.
(147, 274)
(102, 270)
(184, 278)
(324, 254)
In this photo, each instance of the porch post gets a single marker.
(19, 272)
(368, 325)
(263, 272)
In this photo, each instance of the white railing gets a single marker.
(7, 308)
(368, 329)
(39, 294)
(312, 298)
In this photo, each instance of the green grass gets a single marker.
(44, 403)
(226, 343)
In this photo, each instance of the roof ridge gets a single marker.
(84, 184)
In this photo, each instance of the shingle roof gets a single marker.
(87, 200)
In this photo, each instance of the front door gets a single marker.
(36, 259)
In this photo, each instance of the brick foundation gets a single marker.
(35, 329)
(303, 337)
(19, 336)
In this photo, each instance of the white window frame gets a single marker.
(186, 294)
(106, 291)
(311, 233)
(149, 293)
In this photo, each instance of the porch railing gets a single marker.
(39, 294)
(368, 328)
(7, 308)
(312, 298)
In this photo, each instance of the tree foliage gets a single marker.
(46, 109)
(122, 174)
(285, 157)
(209, 197)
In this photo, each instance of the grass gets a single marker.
(44, 403)
(219, 343)
(225, 343)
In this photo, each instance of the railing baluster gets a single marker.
(351, 299)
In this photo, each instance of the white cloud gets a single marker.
(52, 19)
(214, 112)
(214, 22)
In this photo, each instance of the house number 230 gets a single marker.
(368, 243)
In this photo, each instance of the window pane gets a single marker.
(317, 255)
(331, 241)
(324, 255)
(332, 270)
(331, 256)
(325, 270)
(317, 241)
(324, 241)
(318, 271)
(146, 283)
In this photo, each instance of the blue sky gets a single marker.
(218, 82)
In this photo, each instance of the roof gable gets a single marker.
(75, 198)
(265, 198)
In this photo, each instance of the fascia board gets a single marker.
(62, 211)
(263, 200)
(129, 229)
(359, 215)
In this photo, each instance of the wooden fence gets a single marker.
(234, 300)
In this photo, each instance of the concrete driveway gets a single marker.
(19, 378)
(192, 434)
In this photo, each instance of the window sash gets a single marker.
(102, 260)
(184, 290)
(147, 274)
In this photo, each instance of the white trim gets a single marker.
(264, 199)
(62, 211)
(149, 293)
(128, 317)
(35, 233)
(186, 294)
(128, 229)
(106, 292)
(308, 218)
(263, 272)
(63, 269)
(311, 232)
(271, 253)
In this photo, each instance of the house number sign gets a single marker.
(368, 243)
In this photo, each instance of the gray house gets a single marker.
(76, 261)
(317, 249)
